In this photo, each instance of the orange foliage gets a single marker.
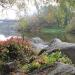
(18, 41)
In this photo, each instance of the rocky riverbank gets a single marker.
(46, 61)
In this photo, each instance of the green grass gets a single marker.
(52, 30)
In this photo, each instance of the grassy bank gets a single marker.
(52, 30)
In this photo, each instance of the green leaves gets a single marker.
(64, 13)
(22, 26)
(45, 59)
(54, 57)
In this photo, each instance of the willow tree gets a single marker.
(65, 11)
(23, 24)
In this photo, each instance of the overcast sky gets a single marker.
(8, 13)
(11, 13)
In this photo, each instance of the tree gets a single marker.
(22, 26)
(65, 10)
(62, 12)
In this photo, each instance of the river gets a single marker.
(67, 37)
(8, 28)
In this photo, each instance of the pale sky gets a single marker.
(11, 13)
(8, 13)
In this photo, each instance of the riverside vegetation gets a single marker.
(20, 52)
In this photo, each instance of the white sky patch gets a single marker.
(31, 9)
(11, 14)
(54, 3)
(8, 14)
(22, 13)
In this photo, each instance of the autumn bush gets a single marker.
(15, 49)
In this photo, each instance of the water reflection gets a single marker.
(47, 36)
(67, 37)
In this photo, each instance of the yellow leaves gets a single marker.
(45, 59)
(36, 64)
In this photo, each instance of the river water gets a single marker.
(9, 29)
(67, 37)
(45, 36)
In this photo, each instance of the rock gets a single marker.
(56, 69)
(58, 44)
(38, 44)
(66, 48)
(63, 69)
(8, 67)
(39, 47)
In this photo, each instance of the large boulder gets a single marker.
(55, 69)
(63, 69)
(38, 44)
(66, 48)
(8, 67)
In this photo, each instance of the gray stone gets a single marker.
(66, 48)
(56, 69)
(8, 67)
(38, 44)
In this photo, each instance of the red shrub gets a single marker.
(16, 48)
(16, 40)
